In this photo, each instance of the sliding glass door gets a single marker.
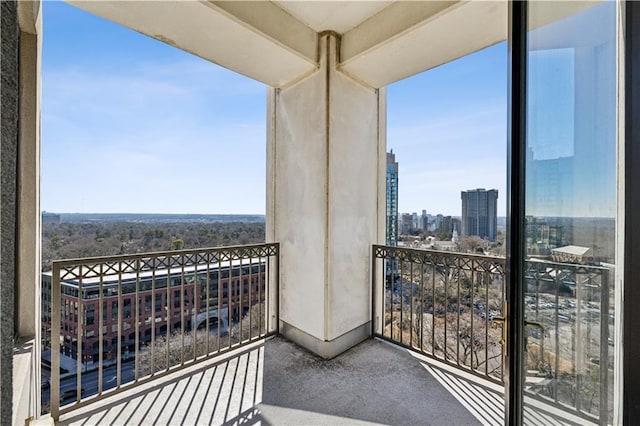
(567, 193)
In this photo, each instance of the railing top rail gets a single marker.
(239, 250)
(378, 253)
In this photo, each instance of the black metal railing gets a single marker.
(124, 320)
(449, 306)
(441, 304)
(569, 357)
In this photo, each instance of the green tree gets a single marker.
(177, 244)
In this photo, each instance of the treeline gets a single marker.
(76, 240)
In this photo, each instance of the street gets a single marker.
(68, 385)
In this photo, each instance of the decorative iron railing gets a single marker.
(445, 305)
(441, 304)
(124, 320)
(569, 357)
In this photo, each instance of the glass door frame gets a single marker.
(515, 248)
(627, 340)
(627, 404)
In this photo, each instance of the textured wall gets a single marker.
(300, 199)
(325, 168)
(353, 203)
(9, 92)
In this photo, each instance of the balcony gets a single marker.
(277, 382)
(436, 323)
(449, 306)
(327, 68)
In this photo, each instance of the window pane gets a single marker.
(570, 203)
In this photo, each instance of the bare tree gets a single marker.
(177, 348)
(472, 244)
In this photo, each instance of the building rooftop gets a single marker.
(572, 250)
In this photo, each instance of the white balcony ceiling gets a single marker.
(339, 16)
(276, 41)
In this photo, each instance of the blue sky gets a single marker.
(448, 129)
(133, 125)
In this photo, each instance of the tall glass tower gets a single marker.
(479, 213)
(392, 199)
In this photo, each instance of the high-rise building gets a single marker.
(407, 223)
(479, 213)
(445, 226)
(392, 199)
(437, 220)
(423, 221)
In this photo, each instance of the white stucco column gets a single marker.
(325, 202)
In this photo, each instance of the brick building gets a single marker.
(80, 307)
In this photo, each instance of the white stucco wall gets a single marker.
(325, 197)
(300, 176)
(353, 196)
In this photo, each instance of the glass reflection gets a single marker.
(571, 207)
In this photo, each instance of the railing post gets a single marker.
(79, 336)
(604, 348)
(373, 290)
(277, 284)
(54, 389)
(136, 347)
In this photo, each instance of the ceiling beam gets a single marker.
(256, 39)
(263, 41)
(407, 38)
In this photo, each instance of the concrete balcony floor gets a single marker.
(275, 382)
